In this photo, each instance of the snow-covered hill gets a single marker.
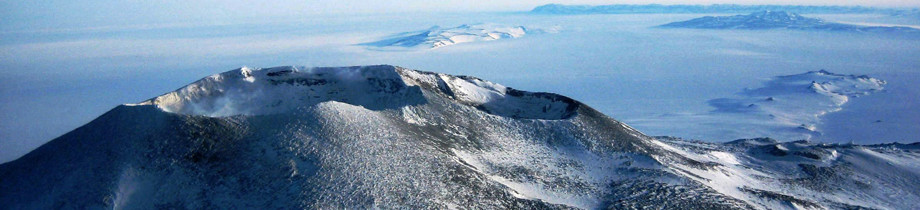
(781, 19)
(386, 136)
(436, 37)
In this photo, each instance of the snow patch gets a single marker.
(724, 157)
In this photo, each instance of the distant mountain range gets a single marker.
(714, 8)
(782, 19)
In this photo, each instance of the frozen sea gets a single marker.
(53, 80)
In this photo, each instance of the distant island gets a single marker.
(436, 36)
(782, 19)
(561, 9)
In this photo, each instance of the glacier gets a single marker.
(389, 137)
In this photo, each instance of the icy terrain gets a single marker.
(787, 20)
(386, 136)
(790, 106)
(436, 36)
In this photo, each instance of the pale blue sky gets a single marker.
(45, 14)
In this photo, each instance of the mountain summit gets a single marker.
(386, 136)
(284, 89)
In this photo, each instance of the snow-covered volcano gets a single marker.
(386, 136)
